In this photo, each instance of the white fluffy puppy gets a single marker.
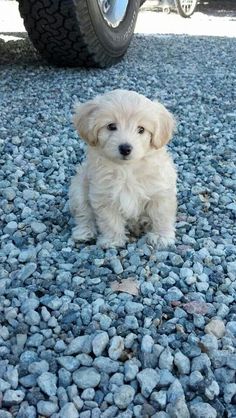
(128, 173)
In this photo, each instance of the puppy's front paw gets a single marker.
(108, 242)
(160, 241)
(83, 234)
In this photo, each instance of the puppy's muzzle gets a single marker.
(125, 149)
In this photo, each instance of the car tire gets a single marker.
(76, 33)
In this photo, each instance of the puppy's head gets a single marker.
(123, 125)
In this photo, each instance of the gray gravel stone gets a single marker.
(202, 410)
(131, 369)
(86, 377)
(182, 363)
(69, 363)
(27, 271)
(13, 397)
(148, 379)
(229, 392)
(38, 367)
(38, 227)
(48, 383)
(116, 347)
(124, 396)
(82, 344)
(47, 408)
(166, 359)
(160, 398)
(99, 343)
(147, 344)
(4, 385)
(116, 265)
(69, 411)
(212, 390)
(5, 414)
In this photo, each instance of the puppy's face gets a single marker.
(123, 125)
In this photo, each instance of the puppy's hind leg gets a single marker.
(80, 208)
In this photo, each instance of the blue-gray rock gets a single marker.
(27, 254)
(116, 265)
(147, 344)
(178, 409)
(231, 327)
(182, 363)
(10, 228)
(38, 367)
(32, 317)
(13, 397)
(124, 396)
(229, 392)
(100, 342)
(133, 307)
(131, 322)
(70, 363)
(148, 380)
(4, 385)
(27, 271)
(11, 375)
(194, 379)
(166, 378)
(202, 410)
(69, 411)
(173, 294)
(38, 227)
(86, 377)
(116, 347)
(131, 369)
(35, 340)
(88, 394)
(47, 408)
(166, 359)
(26, 411)
(28, 381)
(175, 391)
(186, 273)
(201, 362)
(159, 398)
(29, 305)
(212, 390)
(81, 344)
(106, 365)
(52, 302)
(231, 268)
(5, 414)
(9, 193)
(48, 383)
(64, 378)
(77, 401)
(209, 343)
(215, 327)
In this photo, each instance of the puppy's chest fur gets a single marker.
(126, 188)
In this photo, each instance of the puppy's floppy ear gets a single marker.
(164, 126)
(85, 122)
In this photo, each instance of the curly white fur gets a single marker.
(110, 191)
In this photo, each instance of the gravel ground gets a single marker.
(161, 342)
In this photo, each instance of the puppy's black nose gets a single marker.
(125, 149)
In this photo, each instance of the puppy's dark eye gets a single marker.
(112, 127)
(140, 129)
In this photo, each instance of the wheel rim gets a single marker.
(188, 6)
(113, 11)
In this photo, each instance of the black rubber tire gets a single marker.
(181, 10)
(74, 32)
